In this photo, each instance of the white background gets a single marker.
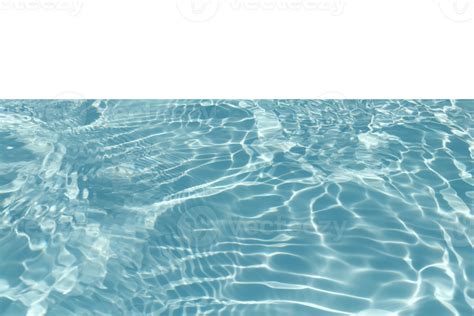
(152, 49)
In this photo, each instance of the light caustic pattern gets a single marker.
(236, 207)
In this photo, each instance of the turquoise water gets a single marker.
(236, 207)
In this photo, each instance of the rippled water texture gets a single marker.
(236, 207)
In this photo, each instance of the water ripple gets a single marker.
(115, 207)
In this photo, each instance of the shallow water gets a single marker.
(236, 207)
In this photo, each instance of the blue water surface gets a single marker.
(234, 207)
